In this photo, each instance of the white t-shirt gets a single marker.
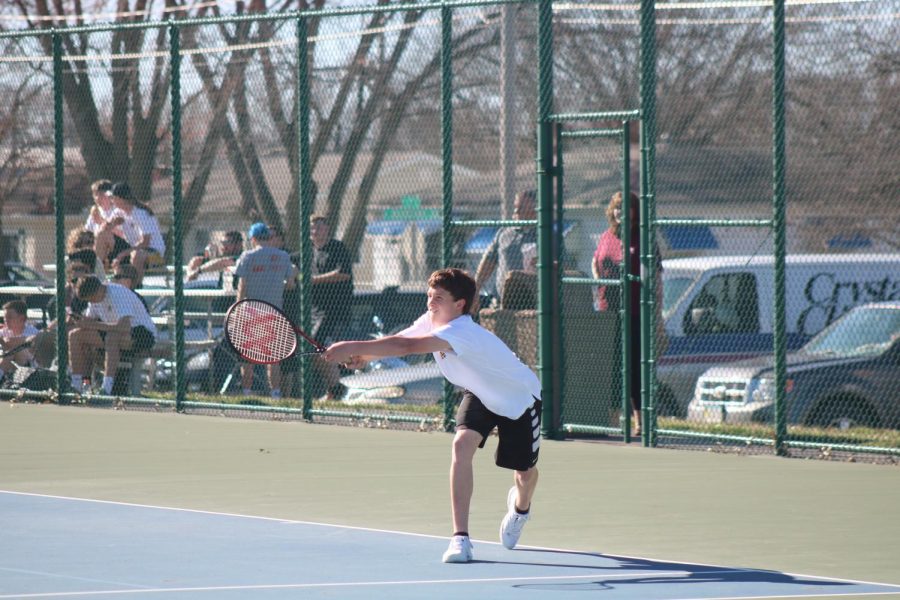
(121, 302)
(481, 363)
(106, 215)
(138, 224)
(29, 330)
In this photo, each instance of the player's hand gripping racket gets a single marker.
(260, 333)
(12, 351)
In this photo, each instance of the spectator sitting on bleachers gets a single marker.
(109, 241)
(126, 275)
(16, 331)
(140, 229)
(217, 257)
(115, 320)
(76, 268)
(81, 241)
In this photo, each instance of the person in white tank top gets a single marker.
(501, 392)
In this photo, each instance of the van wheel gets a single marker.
(667, 405)
(843, 412)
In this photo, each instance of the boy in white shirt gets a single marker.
(102, 221)
(16, 331)
(115, 320)
(501, 392)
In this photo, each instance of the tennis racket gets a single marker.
(13, 351)
(260, 333)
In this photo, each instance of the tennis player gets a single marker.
(500, 391)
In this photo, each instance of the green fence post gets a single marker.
(648, 184)
(625, 315)
(62, 345)
(545, 216)
(304, 188)
(559, 354)
(778, 222)
(447, 170)
(177, 221)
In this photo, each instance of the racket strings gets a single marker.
(260, 333)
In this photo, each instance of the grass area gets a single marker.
(856, 436)
(862, 436)
(431, 410)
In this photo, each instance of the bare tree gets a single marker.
(15, 164)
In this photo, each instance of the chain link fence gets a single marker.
(405, 141)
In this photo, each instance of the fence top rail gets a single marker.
(594, 133)
(591, 281)
(611, 115)
(36, 290)
(716, 222)
(281, 16)
(495, 223)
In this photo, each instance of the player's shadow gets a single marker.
(600, 562)
(651, 572)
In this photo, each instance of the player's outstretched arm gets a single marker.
(392, 345)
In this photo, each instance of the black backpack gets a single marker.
(30, 378)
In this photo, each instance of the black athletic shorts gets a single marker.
(142, 339)
(120, 246)
(520, 439)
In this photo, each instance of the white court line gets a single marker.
(51, 575)
(719, 568)
(816, 595)
(356, 584)
(345, 584)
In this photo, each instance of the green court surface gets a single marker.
(819, 518)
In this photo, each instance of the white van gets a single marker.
(721, 309)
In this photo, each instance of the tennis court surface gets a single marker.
(66, 547)
(214, 525)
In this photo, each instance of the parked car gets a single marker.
(847, 375)
(395, 383)
(721, 309)
(197, 328)
(374, 312)
(17, 274)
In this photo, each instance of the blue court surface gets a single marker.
(54, 547)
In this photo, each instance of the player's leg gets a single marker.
(246, 377)
(465, 443)
(82, 345)
(139, 260)
(116, 341)
(526, 482)
(473, 424)
(274, 371)
(103, 246)
(7, 367)
(520, 442)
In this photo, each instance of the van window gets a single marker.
(673, 289)
(728, 303)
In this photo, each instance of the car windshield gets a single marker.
(20, 273)
(673, 289)
(863, 331)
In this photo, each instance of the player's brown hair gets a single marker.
(17, 306)
(79, 239)
(87, 287)
(457, 282)
(101, 186)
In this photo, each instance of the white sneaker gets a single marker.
(459, 550)
(512, 524)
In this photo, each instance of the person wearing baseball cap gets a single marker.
(263, 273)
(260, 232)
